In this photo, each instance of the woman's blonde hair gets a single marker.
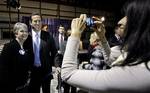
(94, 37)
(18, 26)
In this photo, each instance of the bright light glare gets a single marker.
(102, 18)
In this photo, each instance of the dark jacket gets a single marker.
(47, 52)
(59, 56)
(15, 66)
(113, 41)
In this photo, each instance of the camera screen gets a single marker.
(89, 21)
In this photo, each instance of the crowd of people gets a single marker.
(118, 65)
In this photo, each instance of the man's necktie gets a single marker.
(61, 41)
(37, 62)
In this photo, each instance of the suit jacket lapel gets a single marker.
(41, 37)
(57, 41)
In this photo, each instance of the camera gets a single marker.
(90, 21)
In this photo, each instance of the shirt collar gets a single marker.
(34, 33)
(117, 36)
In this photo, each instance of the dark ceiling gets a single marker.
(106, 5)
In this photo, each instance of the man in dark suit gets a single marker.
(43, 46)
(61, 40)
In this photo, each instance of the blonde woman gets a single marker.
(16, 61)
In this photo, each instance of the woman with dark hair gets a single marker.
(132, 75)
(137, 32)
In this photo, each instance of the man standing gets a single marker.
(61, 40)
(60, 45)
(43, 46)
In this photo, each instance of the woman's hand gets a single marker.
(78, 25)
(99, 28)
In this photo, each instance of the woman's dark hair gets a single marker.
(137, 32)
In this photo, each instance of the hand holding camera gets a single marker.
(78, 25)
(96, 24)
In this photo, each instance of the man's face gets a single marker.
(36, 22)
(121, 28)
(61, 29)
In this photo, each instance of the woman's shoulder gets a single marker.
(135, 68)
(9, 44)
(12, 43)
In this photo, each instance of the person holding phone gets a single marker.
(132, 75)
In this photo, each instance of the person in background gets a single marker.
(45, 27)
(132, 75)
(16, 62)
(43, 48)
(60, 40)
(97, 60)
(117, 38)
(115, 51)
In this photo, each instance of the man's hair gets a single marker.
(60, 26)
(33, 14)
